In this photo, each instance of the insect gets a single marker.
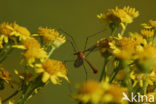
(81, 57)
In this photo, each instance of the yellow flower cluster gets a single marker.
(133, 58)
(12, 31)
(119, 16)
(150, 25)
(34, 52)
(99, 93)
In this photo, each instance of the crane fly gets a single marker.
(80, 60)
(81, 54)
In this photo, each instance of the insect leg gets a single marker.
(73, 40)
(85, 72)
(90, 36)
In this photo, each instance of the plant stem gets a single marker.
(51, 51)
(12, 95)
(145, 85)
(127, 78)
(103, 73)
(114, 74)
(123, 30)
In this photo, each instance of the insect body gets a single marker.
(80, 60)
(81, 57)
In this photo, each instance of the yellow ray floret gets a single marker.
(53, 70)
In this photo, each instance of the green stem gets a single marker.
(103, 73)
(51, 51)
(114, 74)
(145, 85)
(123, 30)
(127, 78)
(12, 95)
(35, 84)
(5, 52)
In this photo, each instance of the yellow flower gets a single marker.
(152, 23)
(31, 43)
(23, 32)
(48, 34)
(12, 31)
(51, 36)
(5, 32)
(99, 92)
(131, 11)
(118, 16)
(114, 94)
(59, 41)
(123, 48)
(124, 17)
(52, 69)
(148, 54)
(6, 29)
(104, 43)
(28, 44)
(90, 91)
(139, 78)
(109, 17)
(35, 53)
(147, 33)
(138, 39)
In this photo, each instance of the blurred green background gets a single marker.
(77, 17)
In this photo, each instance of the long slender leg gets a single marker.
(74, 42)
(90, 36)
(72, 46)
(85, 72)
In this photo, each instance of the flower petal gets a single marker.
(45, 77)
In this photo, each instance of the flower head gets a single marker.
(90, 91)
(146, 58)
(114, 94)
(59, 41)
(12, 31)
(131, 11)
(48, 34)
(104, 43)
(35, 53)
(124, 17)
(139, 40)
(99, 93)
(140, 78)
(22, 31)
(123, 48)
(6, 29)
(51, 36)
(52, 69)
(31, 43)
(147, 33)
(150, 25)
